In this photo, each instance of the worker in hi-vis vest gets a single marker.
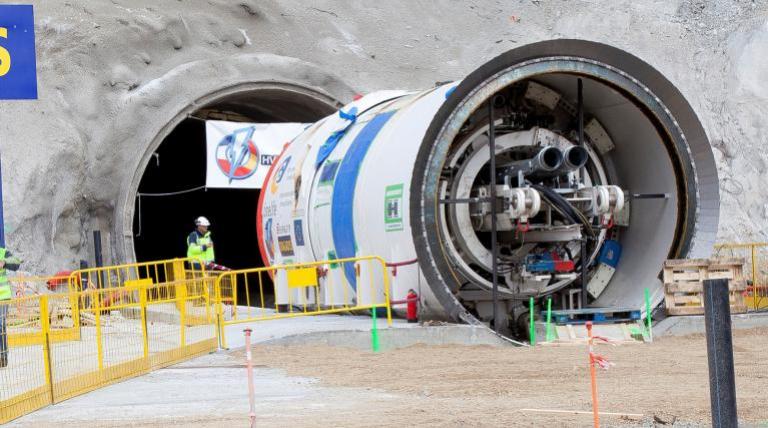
(199, 243)
(7, 262)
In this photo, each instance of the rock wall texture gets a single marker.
(113, 73)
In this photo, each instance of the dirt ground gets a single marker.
(484, 386)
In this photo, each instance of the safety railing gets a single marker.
(133, 274)
(27, 312)
(756, 256)
(27, 285)
(317, 288)
(123, 331)
(116, 322)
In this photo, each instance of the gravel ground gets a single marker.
(665, 383)
(487, 386)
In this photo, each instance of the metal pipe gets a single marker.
(574, 157)
(722, 384)
(580, 112)
(650, 196)
(584, 263)
(584, 257)
(251, 392)
(84, 279)
(545, 163)
(494, 245)
(97, 256)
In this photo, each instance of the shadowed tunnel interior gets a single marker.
(162, 223)
(166, 206)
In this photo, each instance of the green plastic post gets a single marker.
(375, 333)
(550, 333)
(648, 326)
(533, 326)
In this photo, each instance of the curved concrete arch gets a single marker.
(156, 108)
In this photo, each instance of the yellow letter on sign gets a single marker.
(5, 56)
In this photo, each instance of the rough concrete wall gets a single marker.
(113, 73)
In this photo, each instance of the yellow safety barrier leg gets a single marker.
(220, 313)
(144, 330)
(181, 296)
(45, 326)
(96, 297)
(387, 298)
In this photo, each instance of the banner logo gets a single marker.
(237, 155)
(279, 174)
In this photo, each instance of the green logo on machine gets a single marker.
(393, 208)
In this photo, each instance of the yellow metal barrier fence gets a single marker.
(66, 326)
(756, 256)
(122, 332)
(117, 322)
(305, 289)
(131, 274)
(25, 285)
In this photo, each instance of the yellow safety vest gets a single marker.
(195, 249)
(5, 285)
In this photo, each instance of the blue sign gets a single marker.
(18, 71)
(298, 232)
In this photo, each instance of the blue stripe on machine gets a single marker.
(330, 144)
(342, 221)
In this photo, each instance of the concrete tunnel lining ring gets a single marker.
(517, 73)
(124, 235)
(476, 86)
(576, 65)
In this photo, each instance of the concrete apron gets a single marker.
(396, 338)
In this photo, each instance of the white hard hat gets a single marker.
(202, 221)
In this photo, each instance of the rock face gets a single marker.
(114, 75)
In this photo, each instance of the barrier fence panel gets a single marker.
(122, 331)
(115, 322)
(26, 285)
(133, 274)
(24, 381)
(325, 287)
(190, 328)
(755, 255)
(66, 326)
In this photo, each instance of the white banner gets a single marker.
(240, 154)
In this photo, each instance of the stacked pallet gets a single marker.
(684, 283)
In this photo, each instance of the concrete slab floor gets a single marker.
(211, 388)
(269, 330)
(214, 387)
(691, 324)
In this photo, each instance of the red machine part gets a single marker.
(411, 312)
(562, 265)
(60, 279)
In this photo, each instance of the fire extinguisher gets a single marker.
(412, 300)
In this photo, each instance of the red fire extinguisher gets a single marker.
(412, 306)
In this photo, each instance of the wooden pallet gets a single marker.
(683, 283)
